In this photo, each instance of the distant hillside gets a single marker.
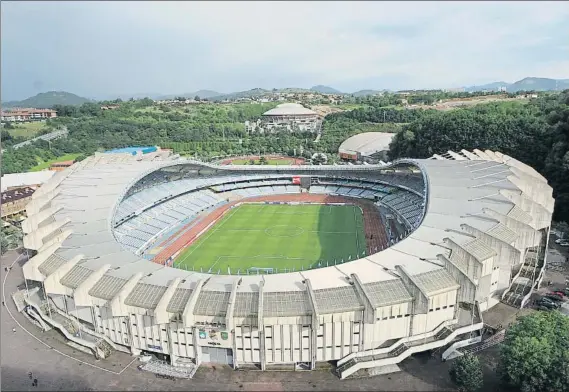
(325, 90)
(526, 84)
(539, 84)
(241, 94)
(495, 86)
(365, 93)
(47, 100)
(207, 94)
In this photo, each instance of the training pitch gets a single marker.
(277, 238)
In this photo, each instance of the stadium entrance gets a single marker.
(217, 355)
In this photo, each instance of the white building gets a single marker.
(292, 117)
(367, 145)
(477, 225)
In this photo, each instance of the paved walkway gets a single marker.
(59, 367)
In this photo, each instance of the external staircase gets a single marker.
(401, 349)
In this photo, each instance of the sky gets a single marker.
(106, 49)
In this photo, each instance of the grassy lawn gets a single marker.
(44, 165)
(277, 238)
(27, 130)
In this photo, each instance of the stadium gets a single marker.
(275, 267)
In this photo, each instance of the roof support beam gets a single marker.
(229, 322)
(420, 298)
(365, 298)
(467, 290)
(231, 305)
(52, 283)
(188, 314)
(118, 307)
(315, 324)
(261, 326)
(81, 294)
(31, 268)
(160, 313)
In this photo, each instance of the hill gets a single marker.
(200, 93)
(526, 84)
(325, 90)
(365, 93)
(241, 94)
(47, 100)
(495, 86)
(539, 84)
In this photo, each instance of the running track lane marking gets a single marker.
(44, 343)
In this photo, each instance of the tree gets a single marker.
(466, 373)
(535, 353)
(251, 161)
(263, 161)
(197, 98)
(319, 158)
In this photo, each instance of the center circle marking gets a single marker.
(284, 231)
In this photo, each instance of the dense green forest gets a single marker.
(536, 133)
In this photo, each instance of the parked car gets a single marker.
(555, 295)
(559, 293)
(553, 301)
(543, 307)
(564, 244)
(559, 240)
(547, 304)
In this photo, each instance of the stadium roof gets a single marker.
(478, 202)
(367, 143)
(289, 109)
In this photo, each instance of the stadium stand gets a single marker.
(465, 231)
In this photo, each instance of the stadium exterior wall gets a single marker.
(266, 321)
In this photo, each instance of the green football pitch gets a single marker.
(268, 238)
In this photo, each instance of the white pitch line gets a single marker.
(41, 341)
(209, 235)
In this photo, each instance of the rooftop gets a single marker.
(289, 109)
(88, 194)
(366, 143)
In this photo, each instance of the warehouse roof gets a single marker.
(367, 143)
(289, 109)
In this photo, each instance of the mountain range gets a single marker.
(51, 98)
(526, 84)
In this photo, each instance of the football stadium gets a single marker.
(274, 267)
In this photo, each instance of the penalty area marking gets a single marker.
(276, 257)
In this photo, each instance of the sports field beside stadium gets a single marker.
(269, 161)
(277, 238)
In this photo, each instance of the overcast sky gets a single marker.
(100, 49)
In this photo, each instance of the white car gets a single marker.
(564, 244)
(560, 240)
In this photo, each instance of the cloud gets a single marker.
(103, 48)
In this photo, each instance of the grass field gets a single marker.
(269, 162)
(44, 165)
(282, 237)
(28, 129)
